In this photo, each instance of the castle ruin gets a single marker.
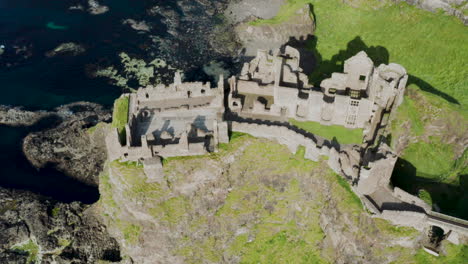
(182, 119)
(272, 86)
(192, 118)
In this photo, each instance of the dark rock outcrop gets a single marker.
(68, 146)
(17, 116)
(69, 48)
(66, 233)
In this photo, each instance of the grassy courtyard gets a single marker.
(339, 133)
(120, 116)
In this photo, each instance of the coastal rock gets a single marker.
(270, 36)
(69, 146)
(69, 48)
(95, 8)
(239, 11)
(137, 25)
(17, 116)
(34, 229)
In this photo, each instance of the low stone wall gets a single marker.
(115, 150)
(411, 199)
(417, 220)
(342, 161)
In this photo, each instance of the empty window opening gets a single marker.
(362, 77)
(262, 100)
(355, 93)
(234, 104)
(203, 91)
(189, 93)
(147, 95)
(351, 120)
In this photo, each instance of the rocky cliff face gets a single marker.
(17, 116)
(255, 31)
(252, 202)
(38, 230)
(69, 146)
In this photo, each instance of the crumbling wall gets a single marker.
(342, 161)
(411, 199)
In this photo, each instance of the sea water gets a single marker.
(35, 81)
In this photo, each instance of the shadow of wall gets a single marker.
(451, 199)
(323, 69)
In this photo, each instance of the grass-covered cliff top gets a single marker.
(253, 202)
(430, 128)
(285, 13)
(430, 46)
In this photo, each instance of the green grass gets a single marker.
(134, 179)
(339, 133)
(30, 248)
(55, 211)
(425, 196)
(130, 232)
(64, 242)
(395, 231)
(286, 11)
(120, 116)
(105, 189)
(433, 159)
(172, 210)
(276, 239)
(351, 197)
(93, 129)
(395, 33)
(456, 254)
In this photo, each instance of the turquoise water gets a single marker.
(30, 28)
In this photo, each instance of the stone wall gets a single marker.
(417, 220)
(343, 160)
(411, 199)
(413, 211)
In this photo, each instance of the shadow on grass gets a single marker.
(428, 88)
(451, 199)
(323, 69)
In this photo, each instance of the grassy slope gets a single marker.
(340, 133)
(429, 46)
(286, 12)
(268, 184)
